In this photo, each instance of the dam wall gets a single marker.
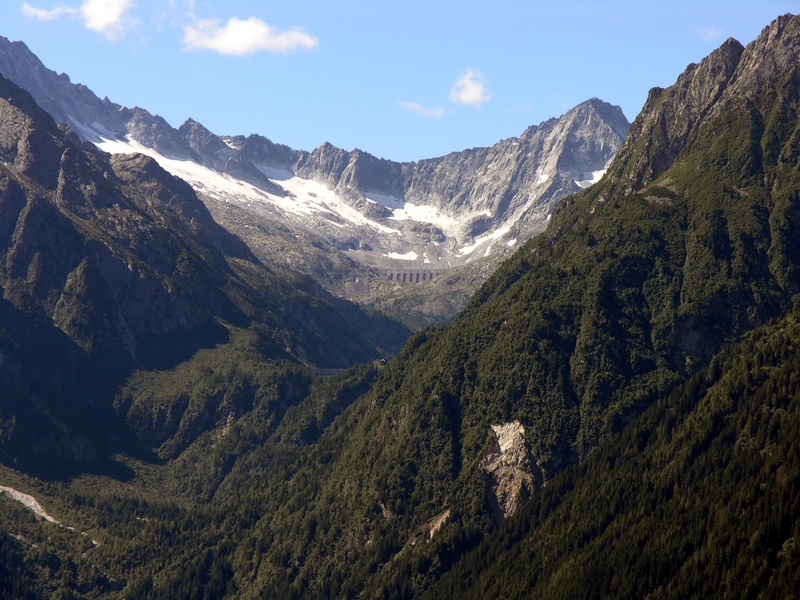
(412, 275)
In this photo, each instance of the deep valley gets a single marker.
(607, 407)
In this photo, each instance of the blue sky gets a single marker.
(401, 80)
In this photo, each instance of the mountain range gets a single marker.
(348, 218)
(111, 264)
(442, 211)
(613, 413)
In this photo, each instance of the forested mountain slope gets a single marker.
(628, 373)
(110, 265)
(700, 497)
(690, 242)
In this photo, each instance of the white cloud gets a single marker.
(425, 111)
(47, 15)
(470, 89)
(244, 36)
(709, 33)
(109, 17)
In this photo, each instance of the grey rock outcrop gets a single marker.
(479, 195)
(669, 117)
(259, 150)
(213, 152)
(55, 93)
(519, 180)
(77, 106)
(511, 470)
(731, 75)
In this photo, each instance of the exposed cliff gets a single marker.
(110, 264)
(511, 468)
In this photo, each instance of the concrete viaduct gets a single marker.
(412, 275)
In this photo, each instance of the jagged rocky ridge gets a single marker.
(109, 265)
(440, 212)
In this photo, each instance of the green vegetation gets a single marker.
(647, 342)
(157, 535)
(267, 481)
(700, 497)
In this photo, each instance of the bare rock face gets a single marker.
(215, 153)
(55, 93)
(516, 183)
(670, 116)
(95, 287)
(513, 474)
(731, 75)
(775, 51)
(443, 212)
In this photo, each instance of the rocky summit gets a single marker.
(440, 212)
(359, 225)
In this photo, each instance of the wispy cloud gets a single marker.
(109, 17)
(47, 15)
(425, 111)
(709, 33)
(239, 37)
(470, 89)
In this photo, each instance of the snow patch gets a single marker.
(407, 256)
(388, 201)
(89, 133)
(544, 177)
(482, 239)
(310, 197)
(427, 214)
(318, 197)
(512, 242)
(275, 173)
(590, 178)
(207, 180)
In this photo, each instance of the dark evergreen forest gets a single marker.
(648, 344)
